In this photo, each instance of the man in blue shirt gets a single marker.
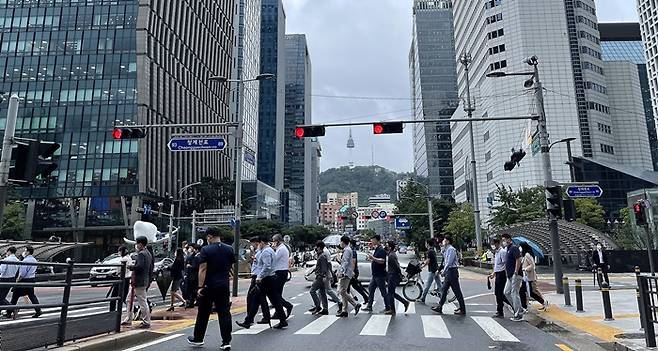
(378, 268)
(255, 297)
(26, 274)
(8, 273)
(267, 282)
(451, 273)
(215, 262)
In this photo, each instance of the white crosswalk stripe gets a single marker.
(377, 325)
(435, 327)
(495, 331)
(318, 326)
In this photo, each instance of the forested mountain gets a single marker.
(366, 180)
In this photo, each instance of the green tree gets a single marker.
(214, 193)
(262, 228)
(366, 180)
(627, 236)
(461, 226)
(13, 221)
(525, 205)
(590, 213)
(306, 235)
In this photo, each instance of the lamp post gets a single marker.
(572, 166)
(430, 210)
(238, 165)
(180, 203)
(545, 159)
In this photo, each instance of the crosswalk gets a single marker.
(433, 326)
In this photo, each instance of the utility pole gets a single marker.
(238, 187)
(7, 144)
(430, 213)
(548, 176)
(465, 60)
(171, 227)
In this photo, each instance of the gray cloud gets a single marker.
(360, 48)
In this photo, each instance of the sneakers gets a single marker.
(194, 342)
(314, 309)
(322, 312)
(281, 325)
(342, 315)
(459, 312)
(389, 312)
(244, 324)
(225, 346)
(498, 315)
(356, 309)
(517, 318)
(438, 309)
(144, 326)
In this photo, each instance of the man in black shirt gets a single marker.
(215, 262)
(354, 282)
(378, 268)
(432, 268)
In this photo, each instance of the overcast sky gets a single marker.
(360, 48)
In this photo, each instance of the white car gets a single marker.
(103, 272)
(309, 269)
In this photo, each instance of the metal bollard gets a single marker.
(607, 306)
(640, 308)
(579, 295)
(567, 296)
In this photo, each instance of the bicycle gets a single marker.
(413, 289)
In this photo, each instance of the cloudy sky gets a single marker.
(359, 49)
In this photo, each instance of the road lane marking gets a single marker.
(435, 327)
(154, 342)
(377, 325)
(495, 331)
(400, 308)
(318, 326)
(563, 347)
(253, 330)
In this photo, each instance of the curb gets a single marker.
(114, 342)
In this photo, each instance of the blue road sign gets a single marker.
(147, 209)
(575, 191)
(402, 223)
(196, 144)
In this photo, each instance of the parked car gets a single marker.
(309, 269)
(103, 272)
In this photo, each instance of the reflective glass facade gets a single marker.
(433, 77)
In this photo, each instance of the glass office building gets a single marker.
(82, 67)
(623, 42)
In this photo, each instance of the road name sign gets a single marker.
(402, 223)
(580, 191)
(196, 144)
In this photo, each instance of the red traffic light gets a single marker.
(117, 133)
(299, 132)
(309, 131)
(387, 128)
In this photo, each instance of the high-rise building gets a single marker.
(564, 36)
(297, 167)
(379, 199)
(246, 66)
(648, 11)
(349, 199)
(83, 67)
(623, 42)
(433, 92)
(272, 94)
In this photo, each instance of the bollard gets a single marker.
(567, 296)
(607, 306)
(579, 296)
(640, 308)
(599, 277)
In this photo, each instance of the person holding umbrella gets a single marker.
(530, 276)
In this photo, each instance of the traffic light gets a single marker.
(309, 132)
(387, 128)
(128, 133)
(33, 160)
(515, 159)
(640, 213)
(554, 201)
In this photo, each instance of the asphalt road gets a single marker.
(418, 329)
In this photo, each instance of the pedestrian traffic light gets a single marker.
(33, 160)
(554, 201)
(309, 131)
(515, 159)
(128, 133)
(640, 213)
(387, 128)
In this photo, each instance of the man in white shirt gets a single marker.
(8, 273)
(501, 277)
(27, 274)
(281, 268)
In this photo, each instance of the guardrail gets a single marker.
(56, 331)
(648, 289)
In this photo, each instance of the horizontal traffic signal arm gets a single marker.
(121, 133)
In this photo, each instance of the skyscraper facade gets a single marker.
(272, 94)
(246, 66)
(648, 11)
(83, 67)
(298, 111)
(433, 92)
(578, 101)
(622, 42)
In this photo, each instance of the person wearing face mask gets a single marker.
(600, 260)
(141, 279)
(255, 298)
(500, 277)
(322, 271)
(512, 269)
(26, 274)
(451, 274)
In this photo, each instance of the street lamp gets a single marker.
(545, 158)
(180, 203)
(430, 210)
(238, 164)
(572, 166)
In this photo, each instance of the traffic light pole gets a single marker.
(548, 181)
(238, 188)
(466, 61)
(647, 231)
(5, 160)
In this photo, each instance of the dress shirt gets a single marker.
(8, 271)
(282, 258)
(266, 263)
(450, 259)
(499, 260)
(255, 268)
(28, 272)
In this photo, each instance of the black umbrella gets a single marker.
(163, 280)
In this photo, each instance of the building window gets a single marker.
(608, 149)
(596, 87)
(589, 36)
(487, 156)
(589, 51)
(492, 3)
(497, 49)
(588, 22)
(598, 107)
(486, 136)
(592, 67)
(497, 65)
(605, 128)
(494, 18)
(489, 176)
(495, 34)
(584, 6)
